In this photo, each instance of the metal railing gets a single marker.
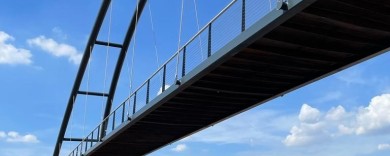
(217, 33)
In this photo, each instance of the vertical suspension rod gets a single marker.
(121, 59)
(80, 74)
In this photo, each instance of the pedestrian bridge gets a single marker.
(296, 43)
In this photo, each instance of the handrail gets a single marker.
(187, 43)
(134, 93)
(174, 55)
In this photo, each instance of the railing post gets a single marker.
(123, 111)
(184, 62)
(209, 42)
(86, 145)
(113, 121)
(163, 80)
(81, 149)
(103, 131)
(243, 16)
(98, 133)
(91, 138)
(135, 101)
(147, 91)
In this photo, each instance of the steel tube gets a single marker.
(80, 74)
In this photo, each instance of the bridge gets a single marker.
(295, 43)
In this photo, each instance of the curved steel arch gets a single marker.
(83, 65)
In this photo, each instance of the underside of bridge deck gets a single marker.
(308, 44)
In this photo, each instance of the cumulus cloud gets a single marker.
(15, 137)
(315, 126)
(9, 54)
(376, 117)
(384, 147)
(310, 128)
(337, 113)
(309, 114)
(57, 49)
(179, 148)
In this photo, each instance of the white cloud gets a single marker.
(15, 137)
(306, 133)
(59, 33)
(384, 147)
(180, 148)
(336, 113)
(345, 130)
(9, 54)
(376, 117)
(57, 49)
(309, 114)
(2, 134)
(314, 127)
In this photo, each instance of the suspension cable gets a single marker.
(154, 36)
(197, 24)
(71, 124)
(107, 58)
(270, 5)
(133, 53)
(129, 76)
(154, 40)
(178, 44)
(130, 70)
(86, 96)
(181, 24)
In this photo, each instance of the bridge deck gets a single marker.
(279, 53)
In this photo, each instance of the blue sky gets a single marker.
(41, 43)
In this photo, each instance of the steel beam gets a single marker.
(116, 45)
(92, 93)
(80, 74)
